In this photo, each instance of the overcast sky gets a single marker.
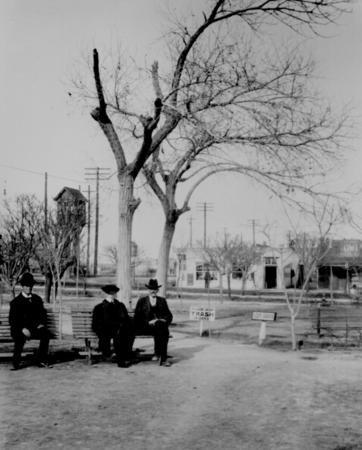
(44, 130)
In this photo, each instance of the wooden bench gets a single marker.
(82, 329)
(5, 336)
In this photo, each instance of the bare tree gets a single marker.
(232, 256)
(111, 254)
(20, 237)
(57, 250)
(311, 250)
(246, 255)
(188, 93)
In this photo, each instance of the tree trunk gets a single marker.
(243, 282)
(126, 208)
(48, 286)
(164, 254)
(221, 289)
(292, 329)
(229, 284)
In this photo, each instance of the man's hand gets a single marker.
(40, 326)
(152, 322)
(26, 332)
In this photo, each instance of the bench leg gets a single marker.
(88, 348)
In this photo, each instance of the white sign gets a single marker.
(264, 316)
(202, 313)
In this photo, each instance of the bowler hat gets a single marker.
(110, 288)
(153, 285)
(27, 279)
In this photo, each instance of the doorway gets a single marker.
(270, 277)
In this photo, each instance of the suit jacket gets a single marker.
(26, 313)
(109, 317)
(144, 312)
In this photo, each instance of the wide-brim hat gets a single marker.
(27, 279)
(153, 284)
(110, 288)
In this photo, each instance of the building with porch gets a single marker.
(276, 269)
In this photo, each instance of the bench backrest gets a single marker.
(82, 324)
(52, 324)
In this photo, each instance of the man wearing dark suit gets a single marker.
(152, 316)
(110, 321)
(27, 320)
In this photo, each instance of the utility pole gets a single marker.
(253, 226)
(96, 174)
(46, 201)
(205, 207)
(190, 224)
(88, 230)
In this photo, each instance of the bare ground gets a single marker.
(222, 392)
(217, 395)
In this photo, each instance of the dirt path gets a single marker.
(215, 396)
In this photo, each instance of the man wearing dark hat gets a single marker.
(152, 316)
(110, 321)
(27, 320)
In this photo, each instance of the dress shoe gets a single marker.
(155, 358)
(165, 363)
(124, 364)
(44, 365)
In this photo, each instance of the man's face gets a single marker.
(153, 292)
(27, 289)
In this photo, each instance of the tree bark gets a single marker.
(292, 329)
(126, 208)
(164, 254)
(229, 285)
(48, 286)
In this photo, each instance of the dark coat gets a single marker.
(26, 313)
(144, 312)
(109, 317)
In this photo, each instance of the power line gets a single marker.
(34, 172)
(205, 207)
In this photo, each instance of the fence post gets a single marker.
(319, 320)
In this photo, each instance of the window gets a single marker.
(237, 273)
(202, 268)
(270, 261)
(182, 262)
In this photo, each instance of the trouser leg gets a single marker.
(123, 343)
(104, 345)
(43, 335)
(161, 334)
(19, 342)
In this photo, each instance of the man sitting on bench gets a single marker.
(152, 316)
(110, 321)
(27, 320)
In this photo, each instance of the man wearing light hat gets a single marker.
(152, 316)
(27, 320)
(110, 321)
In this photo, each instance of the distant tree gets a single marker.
(246, 256)
(57, 250)
(110, 252)
(207, 79)
(137, 256)
(20, 226)
(310, 250)
(230, 255)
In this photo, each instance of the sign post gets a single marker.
(202, 314)
(263, 317)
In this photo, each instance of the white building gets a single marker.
(274, 270)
